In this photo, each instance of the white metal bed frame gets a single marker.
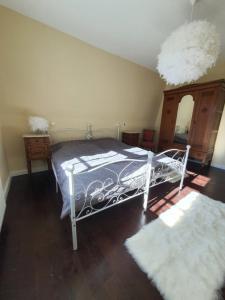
(170, 164)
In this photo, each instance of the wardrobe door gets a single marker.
(215, 121)
(200, 129)
(168, 121)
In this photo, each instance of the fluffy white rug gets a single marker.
(183, 251)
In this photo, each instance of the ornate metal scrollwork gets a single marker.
(126, 181)
(115, 188)
(169, 166)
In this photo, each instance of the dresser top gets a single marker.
(131, 131)
(30, 135)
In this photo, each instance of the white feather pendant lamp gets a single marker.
(189, 52)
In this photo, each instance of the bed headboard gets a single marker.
(91, 132)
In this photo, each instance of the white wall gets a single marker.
(2, 204)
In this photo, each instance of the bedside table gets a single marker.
(130, 138)
(37, 147)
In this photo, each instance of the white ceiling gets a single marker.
(132, 29)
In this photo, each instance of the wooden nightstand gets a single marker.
(37, 147)
(130, 138)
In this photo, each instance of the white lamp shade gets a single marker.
(38, 124)
(189, 52)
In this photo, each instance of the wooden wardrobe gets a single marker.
(201, 132)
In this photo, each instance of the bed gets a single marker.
(96, 174)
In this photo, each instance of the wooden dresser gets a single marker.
(130, 138)
(208, 104)
(37, 147)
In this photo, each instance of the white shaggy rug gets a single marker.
(183, 251)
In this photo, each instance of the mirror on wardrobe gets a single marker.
(183, 121)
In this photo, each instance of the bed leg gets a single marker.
(184, 167)
(74, 234)
(72, 207)
(56, 187)
(145, 203)
(181, 183)
(148, 180)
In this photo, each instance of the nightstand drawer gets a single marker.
(37, 142)
(37, 148)
(39, 151)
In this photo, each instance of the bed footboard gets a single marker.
(123, 180)
(122, 183)
(171, 165)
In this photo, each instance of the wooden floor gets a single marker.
(36, 257)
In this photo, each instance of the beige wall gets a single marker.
(4, 172)
(218, 72)
(48, 73)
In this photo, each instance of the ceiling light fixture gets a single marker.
(189, 52)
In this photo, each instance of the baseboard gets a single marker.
(2, 212)
(18, 173)
(222, 167)
(3, 196)
(7, 186)
(24, 171)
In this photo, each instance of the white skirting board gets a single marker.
(24, 171)
(5, 191)
(218, 166)
(18, 173)
(7, 186)
(2, 212)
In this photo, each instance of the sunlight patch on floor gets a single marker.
(160, 205)
(201, 180)
(177, 212)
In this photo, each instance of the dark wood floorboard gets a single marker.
(36, 257)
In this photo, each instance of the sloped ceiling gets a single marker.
(132, 29)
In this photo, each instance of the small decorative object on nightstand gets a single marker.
(37, 147)
(130, 138)
(38, 125)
